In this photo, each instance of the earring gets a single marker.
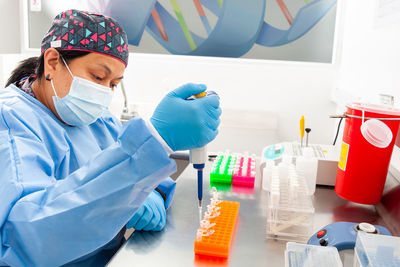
(48, 77)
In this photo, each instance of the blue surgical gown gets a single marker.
(66, 192)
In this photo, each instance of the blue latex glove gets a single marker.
(187, 124)
(151, 216)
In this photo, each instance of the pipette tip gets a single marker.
(200, 212)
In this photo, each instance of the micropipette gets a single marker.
(198, 158)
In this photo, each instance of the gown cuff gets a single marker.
(154, 132)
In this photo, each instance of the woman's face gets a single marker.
(98, 68)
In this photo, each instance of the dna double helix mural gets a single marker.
(240, 24)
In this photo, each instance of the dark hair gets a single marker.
(35, 65)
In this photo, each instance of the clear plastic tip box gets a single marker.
(374, 250)
(290, 208)
(302, 255)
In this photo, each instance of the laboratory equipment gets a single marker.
(222, 169)
(302, 255)
(327, 155)
(198, 158)
(127, 113)
(290, 208)
(366, 151)
(308, 130)
(285, 166)
(215, 234)
(191, 129)
(245, 171)
(342, 235)
(376, 251)
(238, 169)
(307, 166)
(269, 170)
(301, 130)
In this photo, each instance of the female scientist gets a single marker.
(71, 176)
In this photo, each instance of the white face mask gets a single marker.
(85, 102)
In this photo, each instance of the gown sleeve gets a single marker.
(49, 222)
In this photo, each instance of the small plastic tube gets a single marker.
(205, 224)
(214, 192)
(203, 232)
(212, 209)
(215, 202)
(209, 215)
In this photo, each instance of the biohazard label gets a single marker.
(343, 156)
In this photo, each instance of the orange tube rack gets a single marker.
(219, 241)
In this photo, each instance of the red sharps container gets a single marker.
(368, 140)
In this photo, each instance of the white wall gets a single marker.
(10, 26)
(10, 41)
(8, 62)
(371, 55)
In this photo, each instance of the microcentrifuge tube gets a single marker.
(208, 215)
(205, 224)
(215, 202)
(203, 232)
(211, 208)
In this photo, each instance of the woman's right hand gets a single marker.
(187, 124)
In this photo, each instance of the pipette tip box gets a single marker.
(302, 255)
(218, 243)
(374, 250)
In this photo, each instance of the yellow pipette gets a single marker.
(302, 129)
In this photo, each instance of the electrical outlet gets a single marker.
(386, 99)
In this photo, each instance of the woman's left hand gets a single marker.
(151, 216)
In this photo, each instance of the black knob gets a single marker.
(323, 242)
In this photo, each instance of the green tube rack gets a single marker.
(223, 168)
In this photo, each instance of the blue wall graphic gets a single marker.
(239, 27)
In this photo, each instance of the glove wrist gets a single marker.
(160, 193)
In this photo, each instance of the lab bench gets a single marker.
(250, 247)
